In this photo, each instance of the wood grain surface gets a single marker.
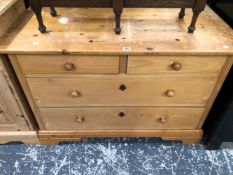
(15, 113)
(55, 64)
(120, 118)
(10, 12)
(186, 136)
(105, 91)
(144, 32)
(166, 64)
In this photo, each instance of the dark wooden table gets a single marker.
(118, 5)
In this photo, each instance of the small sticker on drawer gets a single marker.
(126, 49)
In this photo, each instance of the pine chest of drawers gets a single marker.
(162, 96)
(89, 82)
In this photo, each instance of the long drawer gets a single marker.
(175, 64)
(121, 91)
(120, 118)
(68, 64)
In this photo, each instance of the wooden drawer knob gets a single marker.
(121, 114)
(69, 66)
(176, 66)
(170, 93)
(80, 119)
(163, 119)
(75, 94)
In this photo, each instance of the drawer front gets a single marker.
(121, 91)
(120, 118)
(68, 64)
(175, 64)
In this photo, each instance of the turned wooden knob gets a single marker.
(176, 66)
(80, 119)
(75, 94)
(163, 119)
(170, 93)
(69, 66)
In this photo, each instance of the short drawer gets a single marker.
(121, 91)
(120, 118)
(175, 64)
(68, 64)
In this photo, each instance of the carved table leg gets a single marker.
(192, 27)
(53, 12)
(182, 13)
(36, 7)
(117, 8)
(198, 7)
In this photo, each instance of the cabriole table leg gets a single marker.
(117, 8)
(35, 5)
(53, 12)
(198, 7)
(182, 13)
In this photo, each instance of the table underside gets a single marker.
(126, 3)
(118, 6)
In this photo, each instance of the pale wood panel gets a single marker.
(10, 111)
(10, 11)
(187, 136)
(166, 64)
(27, 137)
(120, 118)
(13, 115)
(55, 64)
(4, 126)
(5, 4)
(123, 64)
(13, 102)
(26, 88)
(144, 31)
(104, 91)
(222, 76)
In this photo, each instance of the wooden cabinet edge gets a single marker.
(10, 14)
(17, 92)
(221, 78)
(25, 86)
(27, 137)
(54, 137)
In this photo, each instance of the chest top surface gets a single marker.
(145, 32)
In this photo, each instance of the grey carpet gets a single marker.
(145, 156)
